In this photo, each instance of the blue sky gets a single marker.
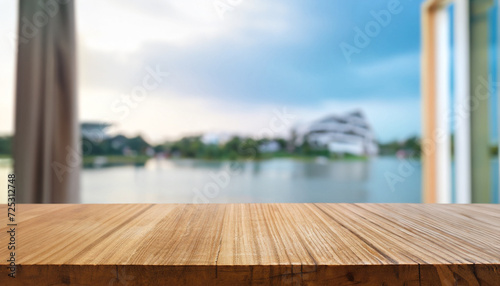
(228, 75)
(304, 65)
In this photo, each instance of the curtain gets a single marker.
(46, 143)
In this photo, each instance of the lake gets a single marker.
(377, 180)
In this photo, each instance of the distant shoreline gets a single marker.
(122, 160)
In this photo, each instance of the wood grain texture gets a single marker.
(255, 244)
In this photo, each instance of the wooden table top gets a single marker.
(230, 244)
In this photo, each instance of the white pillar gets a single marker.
(443, 156)
(462, 106)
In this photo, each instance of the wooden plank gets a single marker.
(262, 244)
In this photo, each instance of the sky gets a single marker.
(230, 71)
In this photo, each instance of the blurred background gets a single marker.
(273, 101)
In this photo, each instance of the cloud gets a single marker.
(8, 21)
(126, 25)
(229, 74)
(159, 118)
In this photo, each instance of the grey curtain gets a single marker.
(46, 142)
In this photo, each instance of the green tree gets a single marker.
(137, 144)
(6, 145)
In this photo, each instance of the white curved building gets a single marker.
(346, 134)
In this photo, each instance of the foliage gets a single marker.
(117, 145)
(410, 145)
(6, 145)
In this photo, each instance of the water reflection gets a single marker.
(269, 181)
(337, 171)
(277, 180)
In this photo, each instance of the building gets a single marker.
(340, 134)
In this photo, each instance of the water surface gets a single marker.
(381, 179)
